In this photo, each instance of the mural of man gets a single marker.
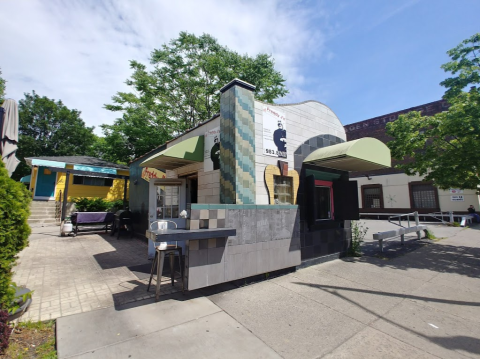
(280, 138)
(215, 153)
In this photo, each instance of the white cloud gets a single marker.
(79, 51)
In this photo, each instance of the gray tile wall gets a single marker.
(267, 239)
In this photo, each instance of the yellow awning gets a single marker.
(364, 154)
(179, 155)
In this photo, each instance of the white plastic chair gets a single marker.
(164, 248)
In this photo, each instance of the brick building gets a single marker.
(390, 190)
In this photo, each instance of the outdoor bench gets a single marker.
(88, 219)
(400, 232)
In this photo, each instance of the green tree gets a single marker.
(181, 91)
(2, 89)
(445, 148)
(465, 65)
(14, 230)
(48, 128)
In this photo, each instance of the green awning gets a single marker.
(364, 154)
(181, 154)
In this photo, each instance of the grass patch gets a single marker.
(32, 340)
(453, 224)
(429, 234)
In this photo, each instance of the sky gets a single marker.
(361, 58)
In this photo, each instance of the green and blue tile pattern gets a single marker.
(237, 151)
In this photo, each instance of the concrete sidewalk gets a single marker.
(180, 327)
(424, 304)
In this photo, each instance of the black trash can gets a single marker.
(123, 221)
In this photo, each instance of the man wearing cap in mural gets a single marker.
(280, 138)
(215, 153)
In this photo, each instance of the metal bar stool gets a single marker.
(160, 252)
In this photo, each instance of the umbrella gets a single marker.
(9, 134)
(26, 179)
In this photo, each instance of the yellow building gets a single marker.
(89, 177)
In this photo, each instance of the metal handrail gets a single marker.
(414, 214)
(58, 207)
(441, 215)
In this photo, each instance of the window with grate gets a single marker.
(423, 195)
(372, 196)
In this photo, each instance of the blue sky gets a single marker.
(361, 58)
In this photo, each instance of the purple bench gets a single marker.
(92, 218)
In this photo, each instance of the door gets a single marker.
(192, 190)
(346, 200)
(45, 185)
(166, 202)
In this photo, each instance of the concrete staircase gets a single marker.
(42, 214)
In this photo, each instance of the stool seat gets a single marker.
(160, 252)
(158, 265)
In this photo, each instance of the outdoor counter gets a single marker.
(171, 235)
(241, 241)
(212, 238)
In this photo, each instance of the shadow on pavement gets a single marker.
(465, 343)
(332, 289)
(439, 258)
(393, 248)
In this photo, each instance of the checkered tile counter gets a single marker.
(267, 239)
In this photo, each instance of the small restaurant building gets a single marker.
(277, 174)
(89, 178)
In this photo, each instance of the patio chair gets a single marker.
(164, 248)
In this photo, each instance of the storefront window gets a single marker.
(323, 201)
(283, 190)
(167, 201)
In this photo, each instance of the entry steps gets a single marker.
(42, 214)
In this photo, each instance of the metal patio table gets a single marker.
(179, 235)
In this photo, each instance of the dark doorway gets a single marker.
(192, 190)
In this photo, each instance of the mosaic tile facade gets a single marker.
(311, 145)
(237, 145)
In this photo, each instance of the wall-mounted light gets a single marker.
(369, 178)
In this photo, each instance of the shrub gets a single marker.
(358, 234)
(84, 204)
(14, 231)
(5, 331)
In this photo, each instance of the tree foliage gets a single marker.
(14, 230)
(182, 90)
(445, 148)
(465, 65)
(48, 128)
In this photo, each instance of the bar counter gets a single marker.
(170, 235)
